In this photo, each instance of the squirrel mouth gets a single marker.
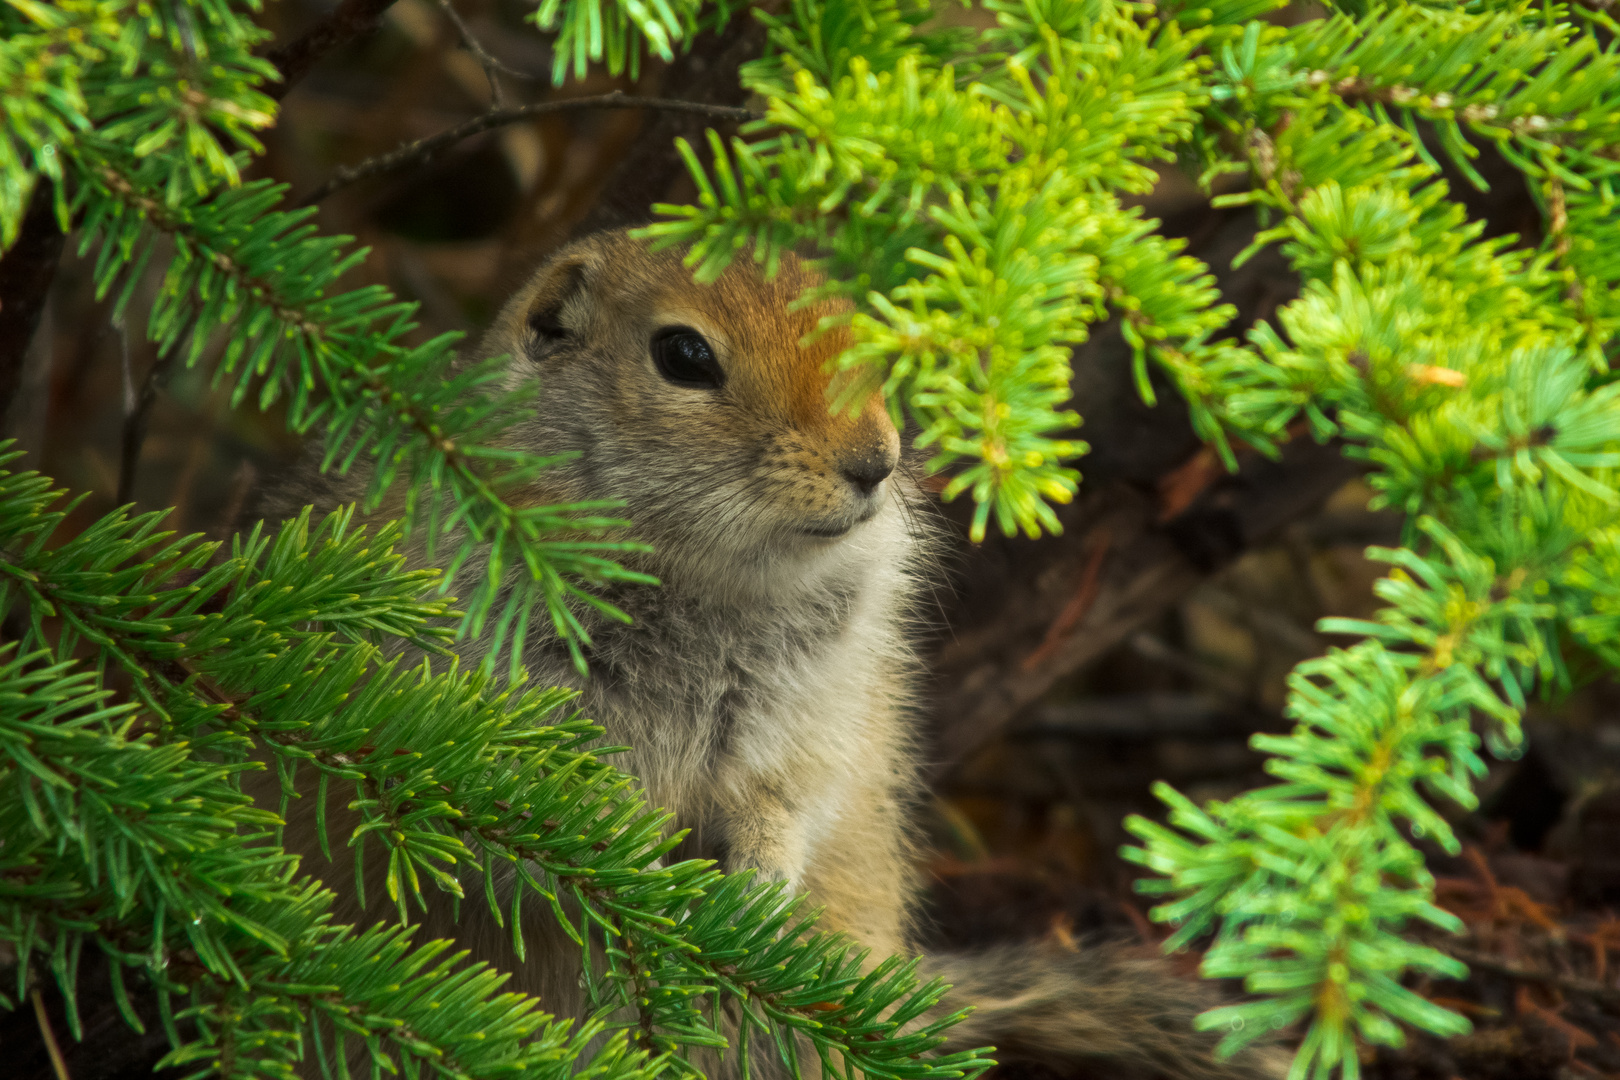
(831, 532)
(834, 532)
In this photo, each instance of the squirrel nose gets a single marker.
(868, 472)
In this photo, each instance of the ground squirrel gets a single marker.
(765, 685)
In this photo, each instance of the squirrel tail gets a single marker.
(1100, 1011)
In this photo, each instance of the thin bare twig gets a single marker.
(58, 1062)
(493, 68)
(421, 150)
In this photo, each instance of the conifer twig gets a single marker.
(422, 150)
(596, 872)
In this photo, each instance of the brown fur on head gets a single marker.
(747, 476)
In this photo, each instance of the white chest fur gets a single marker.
(751, 720)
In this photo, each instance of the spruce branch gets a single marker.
(235, 915)
(78, 66)
(1466, 633)
(340, 357)
(507, 785)
(1378, 724)
(974, 274)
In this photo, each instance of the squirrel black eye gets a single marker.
(684, 358)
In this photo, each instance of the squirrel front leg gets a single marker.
(763, 834)
(847, 849)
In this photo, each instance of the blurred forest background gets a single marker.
(1147, 642)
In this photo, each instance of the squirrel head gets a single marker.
(699, 407)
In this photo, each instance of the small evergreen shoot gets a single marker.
(966, 191)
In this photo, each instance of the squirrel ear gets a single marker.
(564, 282)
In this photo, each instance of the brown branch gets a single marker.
(1571, 984)
(982, 681)
(1086, 595)
(26, 273)
(423, 149)
(1558, 219)
(351, 19)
